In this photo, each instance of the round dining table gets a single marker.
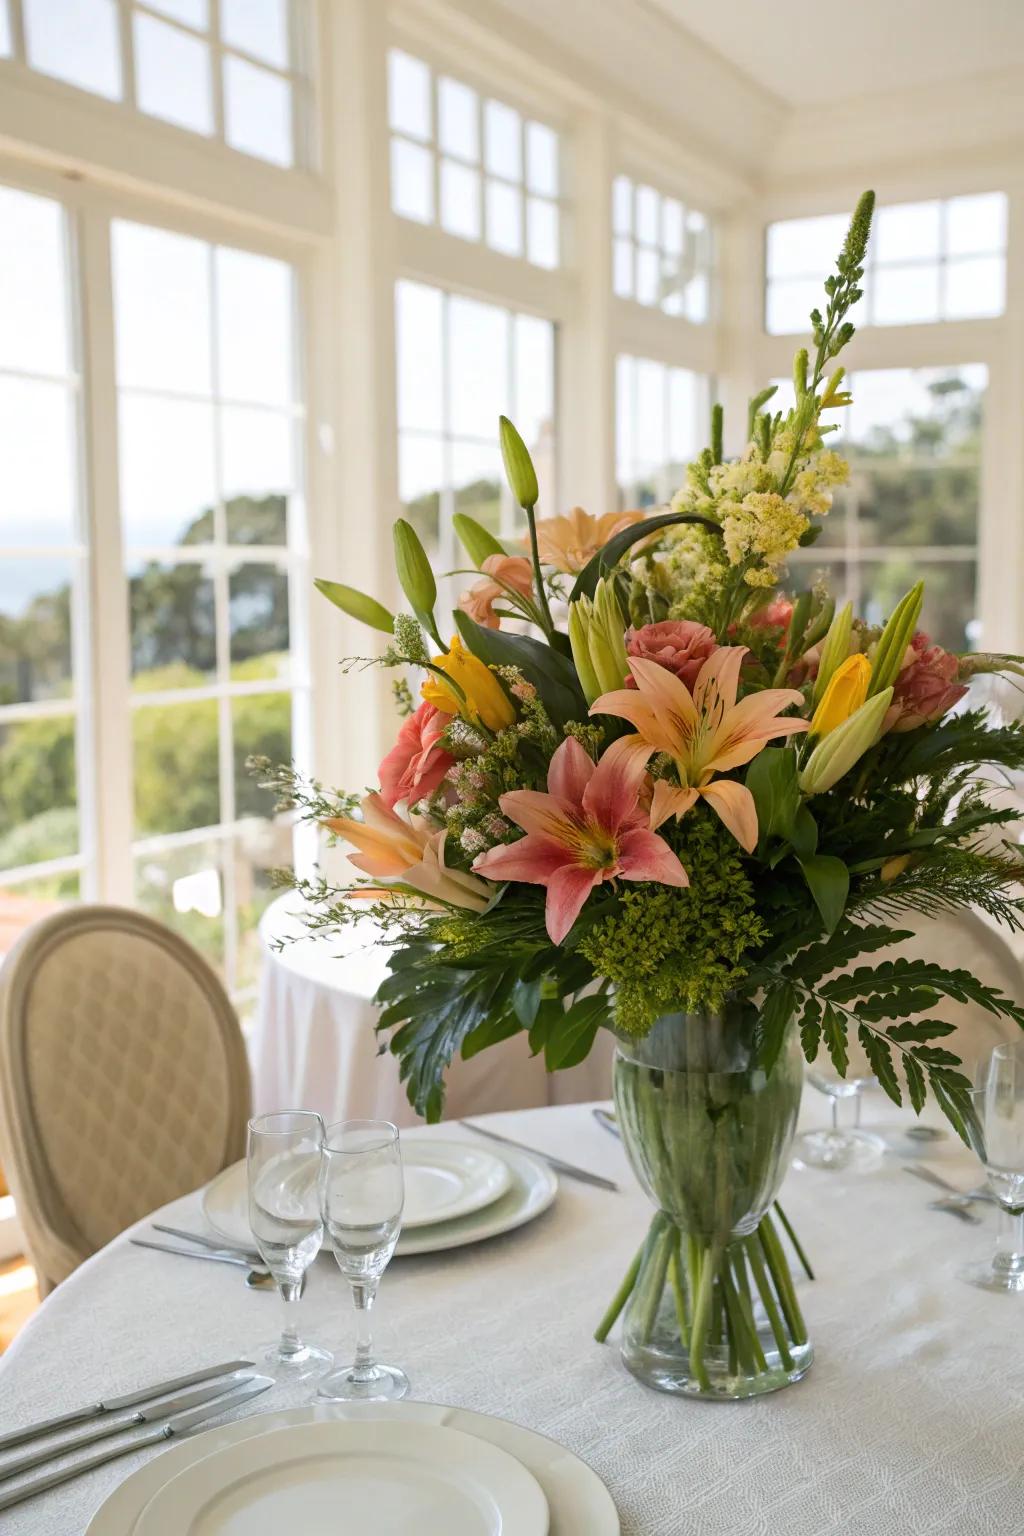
(909, 1421)
(314, 1042)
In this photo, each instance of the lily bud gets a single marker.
(519, 470)
(579, 621)
(895, 637)
(845, 746)
(475, 539)
(847, 689)
(610, 662)
(357, 605)
(834, 651)
(415, 576)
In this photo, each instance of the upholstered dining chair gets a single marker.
(124, 1081)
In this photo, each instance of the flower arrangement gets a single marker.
(690, 786)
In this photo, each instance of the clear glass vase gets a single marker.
(712, 1309)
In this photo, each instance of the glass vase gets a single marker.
(712, 1309)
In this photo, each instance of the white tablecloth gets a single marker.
(314, 1045)
(910, 1423)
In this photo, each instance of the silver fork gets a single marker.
(965, 1196)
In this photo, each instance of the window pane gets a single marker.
(409, 95)
(418, 326)
(672, 226)
(624, 454)
(542, 232)
(412, 181)
(173, 628)
(257, 474)
(976, 225)
(647, 215)
(38, 473)
(35, 631)
(651, 435)
(259, 27)
(950, 603)
(502, 140)
(906, 232)
(478, 349)
(172, 74)
(622, 205)
(258, 616)
(420, 477)
(183, 888)
(622, 268)
(257, 112)
(805, 247)
(698, 298)
(686, 424)
(789, 306)
(256, 853)
(542, 159)
(477, 480)
(504, 218)
(261, 725)
(162, 309)
(168, 486)
(457, 124)
(905, 295)
(535, 379)
(177, 783)
(647, 275)
(33, 284)
(460, 200)
(38, 808)
(254, 327)
(192, 12)
(76, 41)
(975, 288)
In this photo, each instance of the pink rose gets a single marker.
(774, 615)
(678, 645)
(416, 763)
(502, 572)
(926, 687)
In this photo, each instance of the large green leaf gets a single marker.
(772, 780)
(772, 1020)
(829, 882)
(553, 676)
(609, 555)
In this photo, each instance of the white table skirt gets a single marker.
(314, 1045)
(909, 1423)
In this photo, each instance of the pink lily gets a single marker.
(704, 732)
(588, 827)
(394, 847)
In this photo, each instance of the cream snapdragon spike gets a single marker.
(704, 733)
(589, 827)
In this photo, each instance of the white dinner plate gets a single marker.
(532, 1187)
(446, 1179)
(367, 1476)
(579, 1504)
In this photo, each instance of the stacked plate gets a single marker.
(455, 1193)
(389, 1468)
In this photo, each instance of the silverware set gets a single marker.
(157, 1415)
(955, 1202)
(215, 1250)
(570, 1170)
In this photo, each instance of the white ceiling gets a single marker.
(810, 54)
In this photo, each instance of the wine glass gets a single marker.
(284, 1213)
(996, 1130)
(836, 1146)
(362, 1191)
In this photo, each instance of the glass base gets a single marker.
(375, 1384)
(993, 1277)
(857, 1151)
(666, 1372)
(297, 1364)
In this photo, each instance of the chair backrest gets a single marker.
(124, 1081)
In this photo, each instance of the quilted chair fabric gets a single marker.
(124, 1081)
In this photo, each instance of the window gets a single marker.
(661, 423)
(926, 262)
(461, 364)
(472, 164)
(911, 509)
(43, 554)
(209, 424)
(662, 252)
(220, 68)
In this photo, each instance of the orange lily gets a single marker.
(567, 543)
(704, 732)
(391, 847)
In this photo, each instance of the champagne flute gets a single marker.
(996, 1130)
(284, 1213)
(362, 1191)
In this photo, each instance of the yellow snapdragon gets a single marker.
(763, 526)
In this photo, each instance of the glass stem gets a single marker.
(834, 1098)
(856, 1110)
(290, 1291)
(364, 1294)
(1009, 1255)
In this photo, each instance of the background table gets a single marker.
(314, 1044)
(909, 1422)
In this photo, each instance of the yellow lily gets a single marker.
(485, 701)
(704, 732)
(847, 689)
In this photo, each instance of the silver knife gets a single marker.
(100, 1431)
(607, 1121)
(219, 1245)
(183, 1424)
(115, 1404)
(920, 1171)
(205, 1253)
(570, 1171)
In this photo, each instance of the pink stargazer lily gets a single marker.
(704, 732)
(587, 828)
